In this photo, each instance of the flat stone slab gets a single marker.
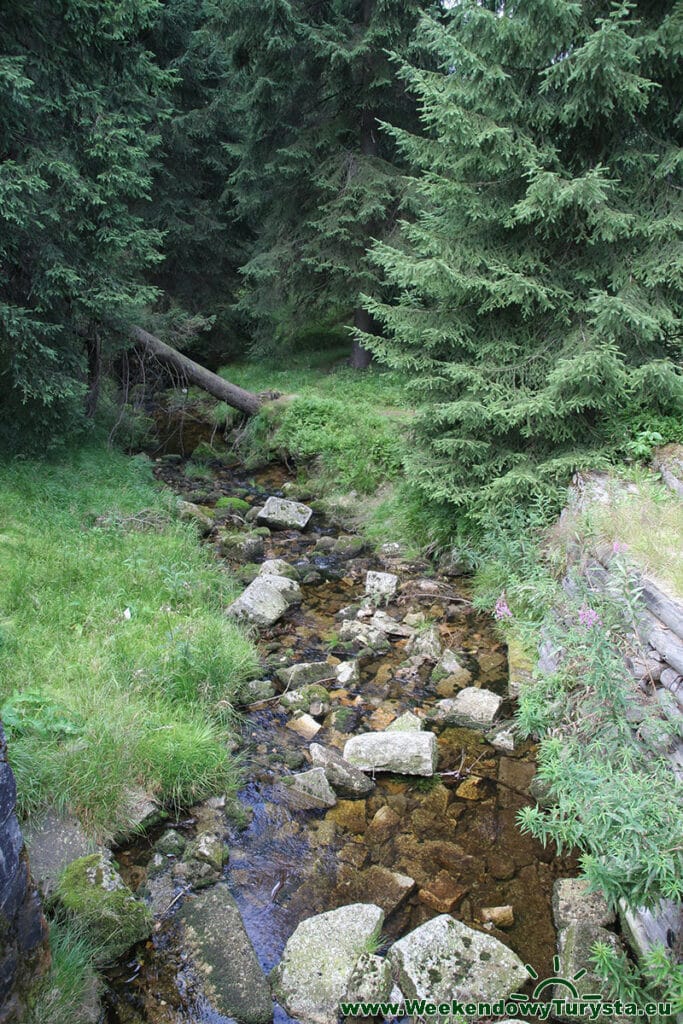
(281, 514)
(306, 672)
(572, 902)
(406, 753)
(344, 777)
(53, 842)
(574, 945)
(265, 600)
(319, 961)
(444, 960)
(313, 786)
(224, 957)
(381, 584)
(472, 708)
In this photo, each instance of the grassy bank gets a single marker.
(347, 429)
(118, 669)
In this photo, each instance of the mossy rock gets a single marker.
(94, 893)
(233, 504)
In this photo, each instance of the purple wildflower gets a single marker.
(618, 547)
(588, 617)
(502, 609)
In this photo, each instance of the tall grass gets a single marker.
(118, 669)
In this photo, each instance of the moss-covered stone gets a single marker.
(94, 893)
(233, 504)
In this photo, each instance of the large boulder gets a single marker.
(54, 841)
(224, 958)
(445, 960)
(406, 753)
(344, 777)
(472, 708)
(265, 600)
(281, 514)
(320, 959)
(92, 890)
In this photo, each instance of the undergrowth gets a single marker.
(118, 669)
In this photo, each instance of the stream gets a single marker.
(455, 835)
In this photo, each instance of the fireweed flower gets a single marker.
(588, 617)
(502, 609)
(618, 547)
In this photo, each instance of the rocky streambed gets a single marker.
(384, 771)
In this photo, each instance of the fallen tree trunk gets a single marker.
(194, 373)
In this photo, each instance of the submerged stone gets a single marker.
(305, 672)
(312, 785)
(407, 753)
(320, 959)
(282, 514)
(224, 957)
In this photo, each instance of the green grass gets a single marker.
(649, 521)
(118, 668)
(349, 427)
(68, 992)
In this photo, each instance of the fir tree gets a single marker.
(79, 99)
(314, 179)
(537, 291)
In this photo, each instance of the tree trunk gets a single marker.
(94, 349)
(361, 357)
(223, 390)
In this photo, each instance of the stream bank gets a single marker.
(452, 836)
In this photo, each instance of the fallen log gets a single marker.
(194, 373)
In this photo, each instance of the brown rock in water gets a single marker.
(383, 825)
(471, 789)
(386, 889)
(349, 815)
(355, 854)
(500, 866)
(443, 893)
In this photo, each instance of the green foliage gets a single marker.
(313, 181)
(655, 979)
(79, 98)
(114, 613)
(535, 289)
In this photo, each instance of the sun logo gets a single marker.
(556, 979)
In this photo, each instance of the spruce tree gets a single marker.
(79, 101)
(203, 241)
(314, 179)
(537, 287)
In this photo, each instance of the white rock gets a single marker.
(381, 620)
(265, 600)
(407, 753)
(444, 960)
(381, 584)
(347, 673)
(472, 707)
(407, 722)
(305, 726)
(426, 645)
(346, 779)
(284, 515)
(319, 961)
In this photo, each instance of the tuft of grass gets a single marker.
(68, 994)
(118, 669)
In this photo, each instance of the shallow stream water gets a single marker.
(291, 862)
